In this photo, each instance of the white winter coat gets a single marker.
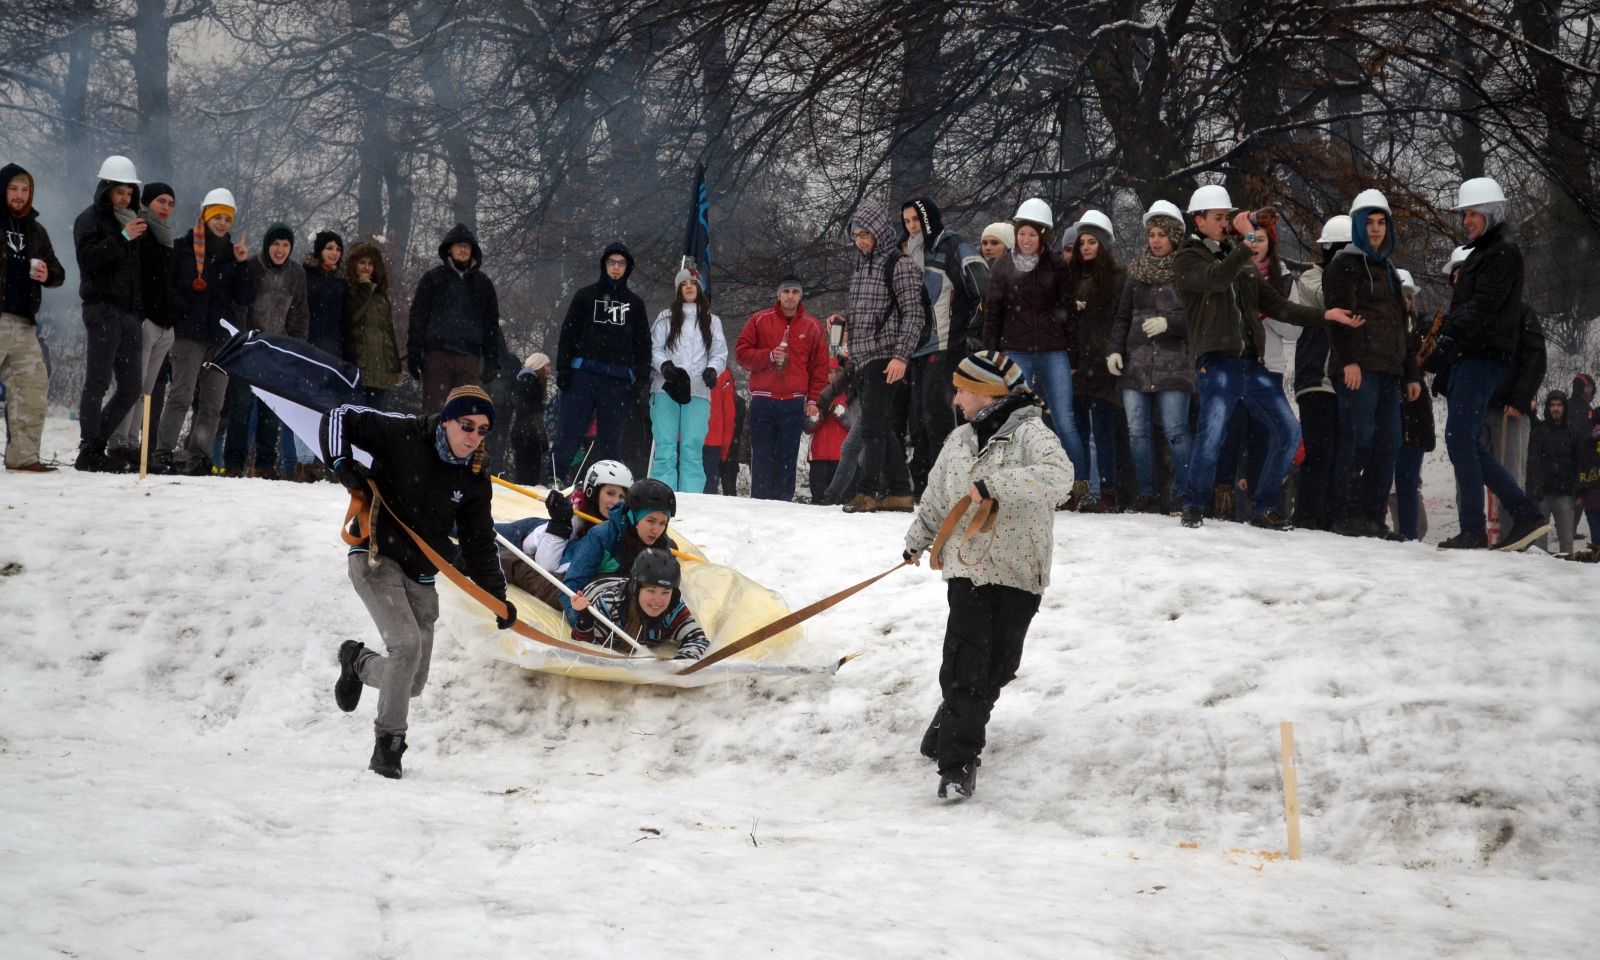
(689, 353)
(1027, 473)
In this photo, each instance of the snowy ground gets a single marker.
(176, 782)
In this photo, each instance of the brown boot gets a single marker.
(1080, 493)
(901, 504)
(1222, 502)
(861, 503)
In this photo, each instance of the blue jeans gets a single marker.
(680, 435)
(1174, 406)
(590, 396)
(1472, 383)
(1049, 372)
(775, 428)
(1408, 493)
(1369, 443)
(1222, 382)
(1096, 420)
(842, 486)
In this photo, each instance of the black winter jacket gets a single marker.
(1091, 336)
(1554, 449)
(1026, 311)
(606, 330)
(155, 263)
(429, 495)
(1486, 305)
(229, 292)
(327, 308)
(108, 262)
(1370, 289)
(457, 310)
(1522, 384)
(25, 240)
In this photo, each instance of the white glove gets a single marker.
(1154, 327)
(1114, 364)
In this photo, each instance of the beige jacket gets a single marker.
(1027, 473)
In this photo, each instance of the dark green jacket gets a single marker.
(1224, 298)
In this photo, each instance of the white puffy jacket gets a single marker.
(690, 352)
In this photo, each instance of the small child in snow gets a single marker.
(1005, 453)
(828, 432)
(604, 486)
(648, 604)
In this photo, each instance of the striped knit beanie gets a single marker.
(989, 373)
(466, 400)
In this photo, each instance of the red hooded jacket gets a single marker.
(806, 372)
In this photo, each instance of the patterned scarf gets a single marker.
(199, 240)
(1024, 262)
(1151, 269)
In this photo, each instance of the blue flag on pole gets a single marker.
(697, 234)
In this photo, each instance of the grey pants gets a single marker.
(404, 611)
(157, 341)
(187, 358)
(1565, 517)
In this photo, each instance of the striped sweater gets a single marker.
(677, 625)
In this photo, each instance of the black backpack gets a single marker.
(889, 264)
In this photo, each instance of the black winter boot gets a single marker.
(386, 755)
(92, 459)
(1192, 517)
(1522, 534)
(964, 781)
(347, 690)
(1465, 541)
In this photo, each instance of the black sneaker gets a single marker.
(930, 737)
(386, 755)
(92, 459)
(1522, 534)
(347, 691)
(1465, 541)
(1270, 520)
(1193, 517)
(964, 782)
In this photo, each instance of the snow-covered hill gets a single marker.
(175, 780)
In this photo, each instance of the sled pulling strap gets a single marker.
(982, 522)
(359, 507)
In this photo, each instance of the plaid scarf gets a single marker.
(199, 240)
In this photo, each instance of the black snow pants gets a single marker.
(982, 650)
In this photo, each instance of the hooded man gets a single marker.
(155, 255)
(1477, 345)
(454, 329)
(430, 473)
(106, 235)
(885, 321)
(30, 266)
(1553, 455)
(602, 360)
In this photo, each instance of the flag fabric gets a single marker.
(697, 232)
(298, 381)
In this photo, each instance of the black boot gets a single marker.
(386, 755)
(1522, 534)
(347, 691)
(930, 739)
(92, 459)
(1192, 517)
(964, 781)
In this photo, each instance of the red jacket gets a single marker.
(806, 373)
(827, 440)
(723, 414)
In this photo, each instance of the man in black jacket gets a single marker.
(454, 334)
(155, 256)
(603, 360)
(1553, 468)
(106, 236)
(1474, 352)
(430, 474)
(29, 266)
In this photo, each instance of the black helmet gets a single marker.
(648, 496)
(654, 567)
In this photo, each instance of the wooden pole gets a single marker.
(1291, 789)
(144, 440)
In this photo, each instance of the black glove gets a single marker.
(709, 377)
(351, 473)
(585, 621)
(560, 509)
(505, 622)
(1443, 355)
(676, 385)
(563, 378)
(414, 364)
(669, 370)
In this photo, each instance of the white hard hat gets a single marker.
(603, 472)
(1336, 230)
(1163, 208)
(1369, 200)
(1458, 256)
(219, 197)
(1406, 280)
(1479, 190)
(1210, 197)
(1094, 218)
(1034, 210)
(119, 170)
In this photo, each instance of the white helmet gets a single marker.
(1369, 200)
(1458, 256)
(219, 197)
(1094, 218)
(1407, 282)
(1163, 208)
(1336, 230)
(603, 472)
(1036, 211)
(1479, 190)
(119, 170)
(1210, 197)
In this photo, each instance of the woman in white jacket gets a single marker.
(688, 353)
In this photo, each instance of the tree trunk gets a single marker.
(453, 132)
(75, 105)
(1468, 139)
(916, 124)
(151, 56)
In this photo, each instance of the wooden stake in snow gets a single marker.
(1291, 789)
(144, 440)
